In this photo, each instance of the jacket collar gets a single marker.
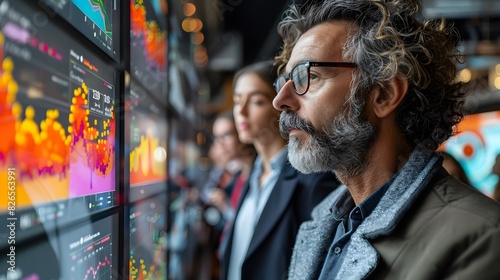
(361, 258)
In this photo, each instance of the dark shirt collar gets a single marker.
(345, 207)
(366, 206)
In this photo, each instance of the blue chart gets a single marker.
(98, 20)
(98, 12)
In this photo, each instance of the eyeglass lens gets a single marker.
(300, 79)
(300, 75)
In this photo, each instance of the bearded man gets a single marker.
(368, 91)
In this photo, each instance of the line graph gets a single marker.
(93, 261)
(97, 11)
(92, 272)
(98, 20)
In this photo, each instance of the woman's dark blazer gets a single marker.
(290, 203)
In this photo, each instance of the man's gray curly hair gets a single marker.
(390, 40)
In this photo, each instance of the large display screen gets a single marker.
(88, 250)
(148, 144)
(148, 238)
(91, 251)
(57, 106)
(148, 45)
(148, 185)
(98, 20)
(475, 147)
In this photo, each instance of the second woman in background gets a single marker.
(235, 159)
(276, 198)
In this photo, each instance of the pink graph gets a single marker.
(93, 271)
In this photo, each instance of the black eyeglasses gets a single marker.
(300, 75)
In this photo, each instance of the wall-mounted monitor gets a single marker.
(148, 238)
(148, 144)
(98, 20)
(88, 250)
(57, 112)
(149, 46)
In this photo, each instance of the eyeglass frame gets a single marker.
(224, 137)
(308, 65)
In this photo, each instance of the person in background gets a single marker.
(276, 198)
(235, 159)
(454, 168)
(231, 162)
(368, 91)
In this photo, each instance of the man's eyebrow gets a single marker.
(295, 64)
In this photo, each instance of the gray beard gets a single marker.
(341, 148)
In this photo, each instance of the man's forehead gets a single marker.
(323, 42)
(305, 49)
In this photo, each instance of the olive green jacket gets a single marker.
(448, 231)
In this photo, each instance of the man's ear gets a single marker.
(386, 100)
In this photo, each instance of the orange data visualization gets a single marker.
(147, 161)
(52, 161)
(153, 38)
